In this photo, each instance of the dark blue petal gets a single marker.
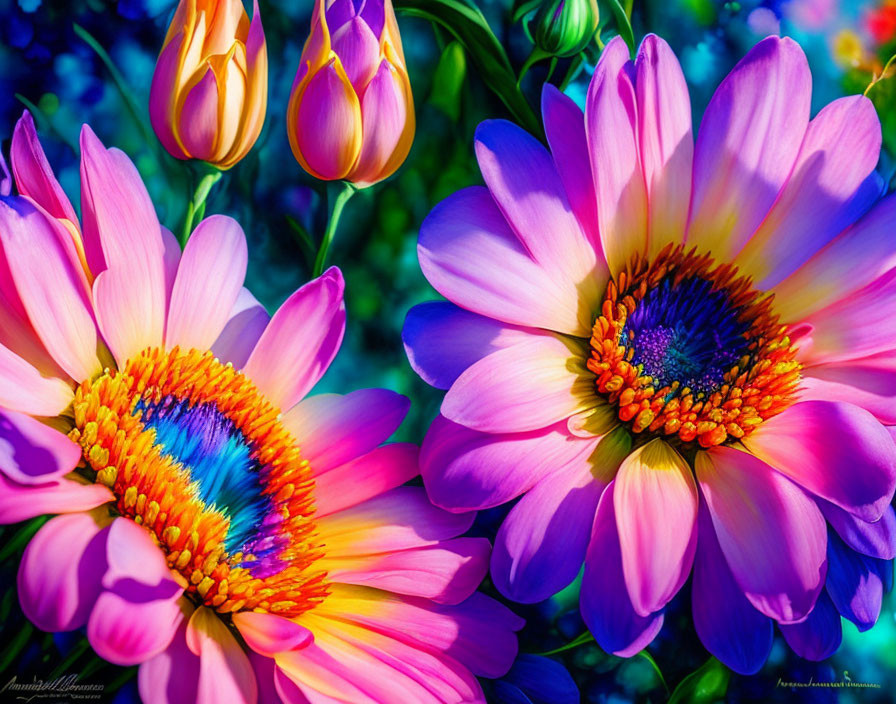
(543, 680)
(506, 693)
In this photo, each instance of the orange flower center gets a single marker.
(689, 350)
(193, 452)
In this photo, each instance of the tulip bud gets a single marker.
(209, 90)
(564, 28)
(351, 114)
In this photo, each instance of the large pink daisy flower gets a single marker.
(681, 356)
(237, 541)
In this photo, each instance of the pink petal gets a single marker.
(564, 125)
(328, 124)
(824, 193)
(359, 51)
(270, 634)
(172, 676)
(654, 491)
(605, 603)
(245, 325)
(370, 475)
(525, 387)
(133, 555)
(332, 429)
(348, 663)
(464, 469)
(50, 288)
(835, 450)
(138, 614)
(447, 573)
(171, 260)
(384, 114)
(19, 502)
(300, 342)
(747, 144)
(442, 340)
(120, 223)
(851, 261)
(869, 383)
(59, 576)
(611, 123)
(397, 520)
(479, 632)
(162, 94)
(23, 389)
(666, 141)
(33, 174)
(522, 179)
(122, 233)
(209, 280)
(225, 673)
(836, 333)
(470, 255)
(198, 123)
(31, 452)
(772, 534)
(121, 309)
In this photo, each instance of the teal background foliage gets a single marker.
(92, 61)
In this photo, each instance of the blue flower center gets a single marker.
(218, 458)
(686, 331)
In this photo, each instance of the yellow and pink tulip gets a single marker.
(209, 90)
(351, 113)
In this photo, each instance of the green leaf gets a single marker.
(656, 668)
(623, 23)
(703, 686)
(586, 637)
(467, 24)
(448, 80)
(130, 101)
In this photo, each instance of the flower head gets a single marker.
(679, 354)
(351, 113)
(153, 403)
(565, 27)
(209, 90)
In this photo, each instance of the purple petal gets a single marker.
(464, 469)
(771, 533)
(59, 576)
(876, 539)
(747, 144)
(854, 583)
(442, 340)
(819, 636)
(33, 453)
(729, 626)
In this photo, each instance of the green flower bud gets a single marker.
(563, 28)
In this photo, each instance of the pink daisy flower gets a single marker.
(239, 541)
(681, 356)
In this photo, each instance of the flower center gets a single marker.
(193, 452)
(691, 351)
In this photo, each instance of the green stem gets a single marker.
(197, 203)
(76, 652)
(130, 102)
(348, 190)
(586, 637)
(572, 71)
(536, 56)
